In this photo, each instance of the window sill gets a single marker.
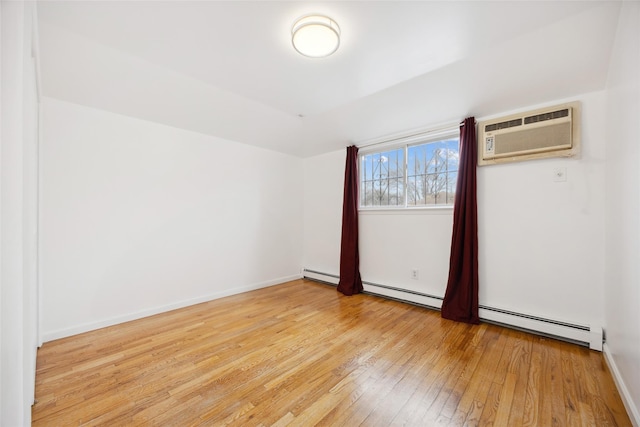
(427, 210)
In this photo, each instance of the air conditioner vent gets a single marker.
(546, 116)
(549, 132)
(503, 125)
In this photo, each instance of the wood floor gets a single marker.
(301, 354)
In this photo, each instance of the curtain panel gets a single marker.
(461, 297)
(350, 280)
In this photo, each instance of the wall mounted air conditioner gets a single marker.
(542, 133)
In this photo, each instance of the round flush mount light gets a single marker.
(315, 36)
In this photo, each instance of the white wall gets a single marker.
(139, 218)
(18, 224)
(541, 242)
(323, 189)
(622, 297)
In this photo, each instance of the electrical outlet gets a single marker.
(414, 274)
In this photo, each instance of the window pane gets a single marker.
(431, 173)
(382, 178)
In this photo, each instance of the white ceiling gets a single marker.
(228, 69)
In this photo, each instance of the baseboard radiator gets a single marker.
(584, 335)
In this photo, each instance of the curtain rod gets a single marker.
(434, 131)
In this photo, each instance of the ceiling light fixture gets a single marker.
(315, 36)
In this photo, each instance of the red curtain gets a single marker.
(350, 280)
(461, 298)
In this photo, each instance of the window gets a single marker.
(416, 175)
(382, 180)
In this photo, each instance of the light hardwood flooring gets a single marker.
(301, 354)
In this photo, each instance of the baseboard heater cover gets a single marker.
(588, 336)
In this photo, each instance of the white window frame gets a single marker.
(403, 143)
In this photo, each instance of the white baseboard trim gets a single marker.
(91, 326)
(632, 409)
(586, 335)
(589, 336)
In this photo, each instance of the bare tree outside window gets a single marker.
(382, 182)
(432, 171)
(427, 177)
